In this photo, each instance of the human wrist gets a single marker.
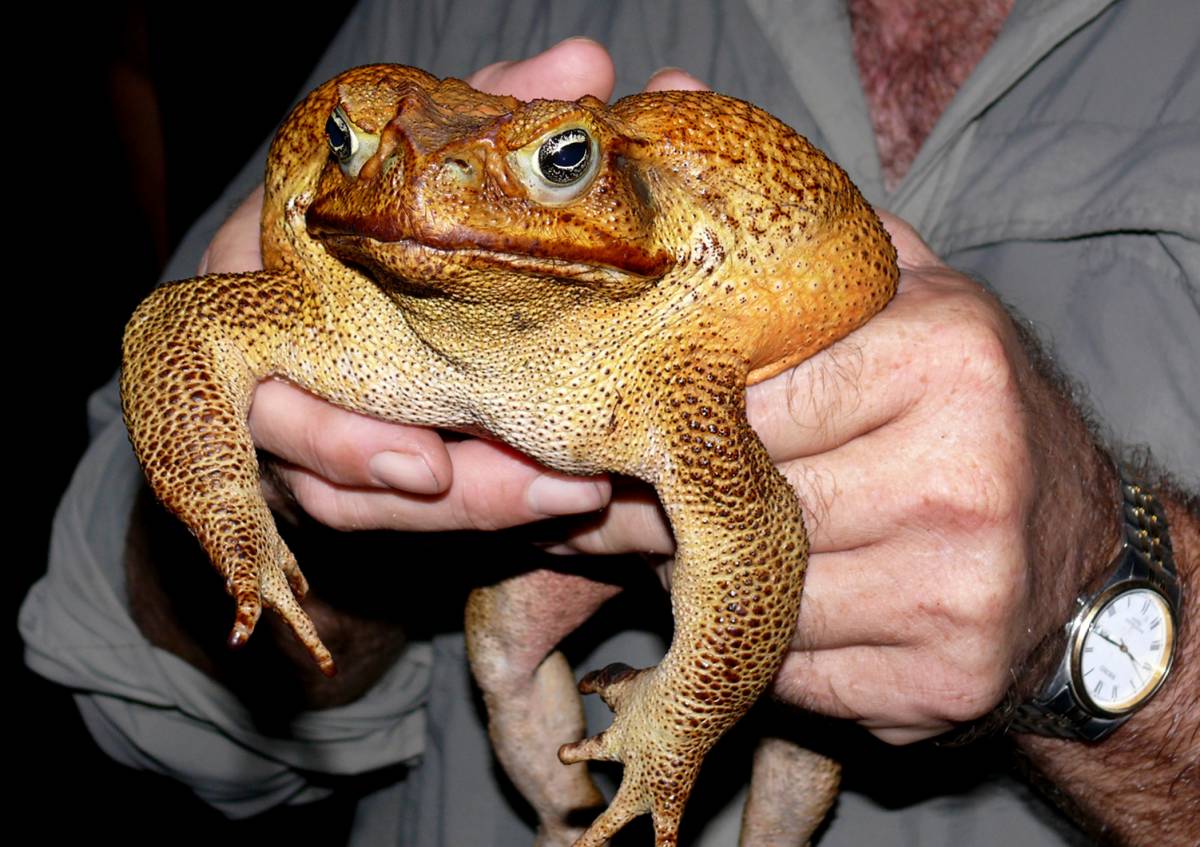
(1136, 786)
(1117, 648)
(1075, 529)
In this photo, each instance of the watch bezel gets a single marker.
(1081, 626)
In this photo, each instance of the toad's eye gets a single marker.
(342, 140)
(557, 168)
(563, 159)
(351, 144)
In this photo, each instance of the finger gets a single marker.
(674, 79)
(567, 71)
(865, 491)
(853, 495)
(910, 591)
(846, 390)
(236, 246)
(912, 251)
(493, 487)
(345, 448)
(847, 502)
(860, 493)
(634, 522)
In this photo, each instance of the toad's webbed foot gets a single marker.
(661, 757)
(791, 790)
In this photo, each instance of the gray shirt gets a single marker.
(1065, 173)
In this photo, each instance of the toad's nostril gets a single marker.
(460, 169)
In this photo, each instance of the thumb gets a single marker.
(567, 71)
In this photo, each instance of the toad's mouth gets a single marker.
(431, 268)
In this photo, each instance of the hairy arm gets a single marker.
(1141, 785)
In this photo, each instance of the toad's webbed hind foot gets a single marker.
(791, 791)
(651, 739)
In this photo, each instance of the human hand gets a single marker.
(955, 503)
(959, 506)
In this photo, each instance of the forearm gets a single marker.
(1141, 785)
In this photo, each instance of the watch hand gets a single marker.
(1136, 669)
(1104, 635)
(1120, 645)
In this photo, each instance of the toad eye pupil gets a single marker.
(339, 136)
(569, 155)
(563, 159)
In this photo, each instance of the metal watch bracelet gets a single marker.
(1145, 561)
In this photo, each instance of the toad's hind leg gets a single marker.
(791, 791)
(532, 702)
(740, 555)
(193, 353)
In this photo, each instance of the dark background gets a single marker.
(132, 120)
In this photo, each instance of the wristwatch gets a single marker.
(1121, 640)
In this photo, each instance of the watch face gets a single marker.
(1124, 651)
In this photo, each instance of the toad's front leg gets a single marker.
(193, 353)
(741, 550)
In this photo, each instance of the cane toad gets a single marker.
(593, 285)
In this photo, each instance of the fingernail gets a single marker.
(557, 495)
(685, 82)
(404, 471)
(555, 548)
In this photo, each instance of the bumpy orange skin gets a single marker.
(614, 331)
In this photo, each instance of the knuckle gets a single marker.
(977, 677)
(975, 687)
(971, 698)
(482, 507)
(981, 355)
(325, 504)
(331, 444)
(973, 620)
(332, 453)
(976, 600)
(969, 335)
(977, 494)
(979, 469)
(966, 682)
(990, 604)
